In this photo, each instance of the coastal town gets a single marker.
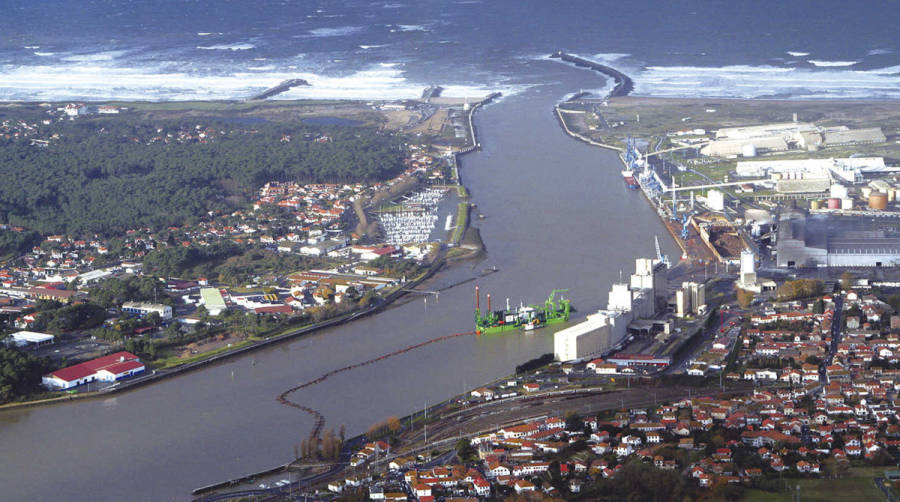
(807, 392)
(295, 255)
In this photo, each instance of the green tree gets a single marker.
(846, 280)
(21, 372)
(465, 452)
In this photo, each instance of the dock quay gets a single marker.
(278, 89)
(624, 84)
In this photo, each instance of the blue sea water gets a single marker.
(197, 49)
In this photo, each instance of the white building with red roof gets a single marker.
(103, 369)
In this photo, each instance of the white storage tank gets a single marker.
(715, 200)
(846, 203)
(838, 191)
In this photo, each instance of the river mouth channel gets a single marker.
(558, 215)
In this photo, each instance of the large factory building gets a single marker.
(833, 241)
(642, 297)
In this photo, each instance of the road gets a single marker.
(879, 482)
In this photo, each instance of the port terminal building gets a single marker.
(640, 298)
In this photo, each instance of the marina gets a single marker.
(412, 220)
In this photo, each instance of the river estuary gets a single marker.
(557, 216)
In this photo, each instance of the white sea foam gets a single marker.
(207, 33)
(890, 70)
(44, 54)
(227, 47)
(393, 6)
(366, 47)
(608, 57)
(878, 52)
(409, 27)
(335, 32)
(32, 47)
(829, 64)
(797, 54)
(100, 81)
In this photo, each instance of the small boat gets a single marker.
(632, 183)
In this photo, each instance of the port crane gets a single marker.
(659, 256)
(552, 305)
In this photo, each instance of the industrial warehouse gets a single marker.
(829, 240)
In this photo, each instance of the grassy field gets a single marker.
(462, 221)
(858, 486)
(171, 362)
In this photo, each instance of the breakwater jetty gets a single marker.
(433, 91)
(278, 89)
(624, 84)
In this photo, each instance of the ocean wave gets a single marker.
(393, 6)
(44, 54)
(32, 47)
(102, 82)
(830, 64)
(797, 54)
(763, 82)
(879, 52)
(720, 69)
(366, 47)
(335, 32)
(227, 47)
(208, 33)
(93, 57)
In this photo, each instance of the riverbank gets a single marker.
(158, 375)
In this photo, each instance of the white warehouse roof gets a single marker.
(23, 338)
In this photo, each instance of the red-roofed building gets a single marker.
(274, 309)
(103, 369)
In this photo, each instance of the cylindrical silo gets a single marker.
(838, 191)
(834, 203)
(878, 200)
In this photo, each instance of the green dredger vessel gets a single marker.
(526, 317)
